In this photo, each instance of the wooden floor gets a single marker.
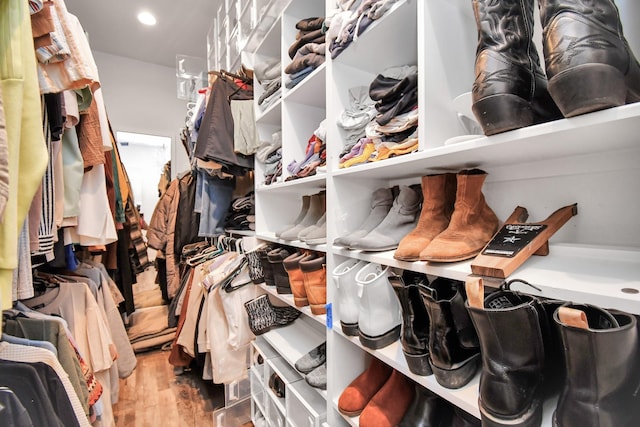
(154, 396)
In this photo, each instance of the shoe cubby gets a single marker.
(589, 159)
(306, 406)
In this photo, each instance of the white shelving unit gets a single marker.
(591, 160)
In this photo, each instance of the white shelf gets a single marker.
(272, 115)
(240, 232)
(271, 237)
(592, 275)
(288, 299)
(400, 21)
(296, 339)
(310, 183)
(310, 91)
(587, 134)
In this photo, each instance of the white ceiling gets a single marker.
(181, 27)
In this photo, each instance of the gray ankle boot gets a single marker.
(401, 219)
(306, 201)
(315, 212)
(380, 206)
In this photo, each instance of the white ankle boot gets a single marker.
(344, 276)
(379, 315)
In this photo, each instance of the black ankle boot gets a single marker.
(267, 269)
(510, 89)
(280, 276)
(454, 352)
(415, 321)
(603, 371)
(588, 60)
(512, 328)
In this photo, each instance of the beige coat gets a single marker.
(161, 232)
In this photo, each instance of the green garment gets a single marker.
(27, 150)
(53, 332)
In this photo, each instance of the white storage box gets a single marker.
(305, 406)
(233, 416)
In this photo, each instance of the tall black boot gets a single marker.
(414, 335)
(454, 352)
(588, 60)
(603, 371)
(510, 89)
(513, 330)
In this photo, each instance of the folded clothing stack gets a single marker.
(241, 215)
(352, 18)
(268, 75)
(394, 128)
(307, 51)
(315, 156)
(270, 153)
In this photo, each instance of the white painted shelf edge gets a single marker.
(271, 237)
(316, 181)
(603, 276)
(295, 340)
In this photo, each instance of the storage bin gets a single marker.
(236, 391)
(257, 389)
(275, 415)
(234, 415)
(305, 407)
(261, 351)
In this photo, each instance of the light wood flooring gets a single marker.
(154, 396)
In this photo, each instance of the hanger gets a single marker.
(205, 255)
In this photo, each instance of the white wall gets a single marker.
(141, 97)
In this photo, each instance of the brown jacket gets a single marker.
(161, 233)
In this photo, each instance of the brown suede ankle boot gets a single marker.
(357, 395)
(439, 196)
(389, 404)
(314, 274)
(292, 266)
(472, 224)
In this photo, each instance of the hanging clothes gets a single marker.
(27, 158)
(215, 137)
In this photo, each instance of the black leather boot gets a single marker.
(427, 410)
(280, 276)
(454, 352)
(510, 89)
(603, 371)
(267, 269)
(463, 419)
(512, 328)
(414, 335)
(588, 60)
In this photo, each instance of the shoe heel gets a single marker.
(300, 302)
(531, 418)
(502, 113)
(318, 309)
(349, 329)
(379, 341)
(588, 88)
(457, 376)
(418, 364)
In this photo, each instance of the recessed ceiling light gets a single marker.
(146, 18)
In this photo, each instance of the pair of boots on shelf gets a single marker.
(522, 340)
(383, 397)
(366, 304)
(314, 366)
(437, 333)
(308, 279)
(589, 65)
(310, 226)
(455, 221)
(394, 212)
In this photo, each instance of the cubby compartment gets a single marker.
(305, 406)
(237, 391)
(233, 416)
